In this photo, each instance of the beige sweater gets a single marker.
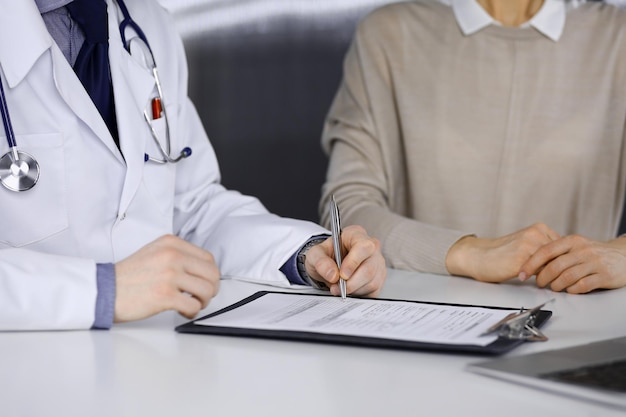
(434, 135)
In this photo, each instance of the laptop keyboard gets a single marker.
(610, 376)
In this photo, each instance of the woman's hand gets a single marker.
(578, 265)
(497, 259)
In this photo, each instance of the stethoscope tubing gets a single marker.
(6, 121)
(128, 22)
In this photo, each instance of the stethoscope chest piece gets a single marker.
(18, 173)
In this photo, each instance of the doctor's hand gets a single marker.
(363, 266)
(578, 265)
(497, 259)
(167, 274)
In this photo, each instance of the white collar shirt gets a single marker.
(549, 20)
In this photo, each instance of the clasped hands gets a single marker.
(569, 263)
(172, 274)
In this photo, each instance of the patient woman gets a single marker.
(486, 138)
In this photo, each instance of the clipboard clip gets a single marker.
(520, 325)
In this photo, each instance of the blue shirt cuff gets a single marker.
(290, 269)
(105, 300)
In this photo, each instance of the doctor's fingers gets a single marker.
(359, 248)
(192, 294)
(363, 266)
(356, 246)
(174, 243)
(175, 254)
(369, 277)
(185, 305)
(203, 267)
(320, 264)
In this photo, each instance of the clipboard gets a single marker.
(498, 346)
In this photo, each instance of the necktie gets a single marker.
(92, 63)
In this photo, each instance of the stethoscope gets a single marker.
(19, 171)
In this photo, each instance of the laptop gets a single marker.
(594, 372)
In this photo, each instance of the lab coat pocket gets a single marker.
(33, 215)
(153, 149)
(158, 178)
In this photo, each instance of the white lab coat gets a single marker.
(94, 205)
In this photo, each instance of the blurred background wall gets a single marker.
(263, 74)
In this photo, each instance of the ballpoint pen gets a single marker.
(335, 227)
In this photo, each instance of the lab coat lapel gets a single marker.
(132, 86)
(75, 95)
(24, 39)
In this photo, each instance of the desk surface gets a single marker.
(147, 369)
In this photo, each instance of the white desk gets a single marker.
(147, 369)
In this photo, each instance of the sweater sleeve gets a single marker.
(367, 172)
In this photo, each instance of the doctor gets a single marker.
(99, 223)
